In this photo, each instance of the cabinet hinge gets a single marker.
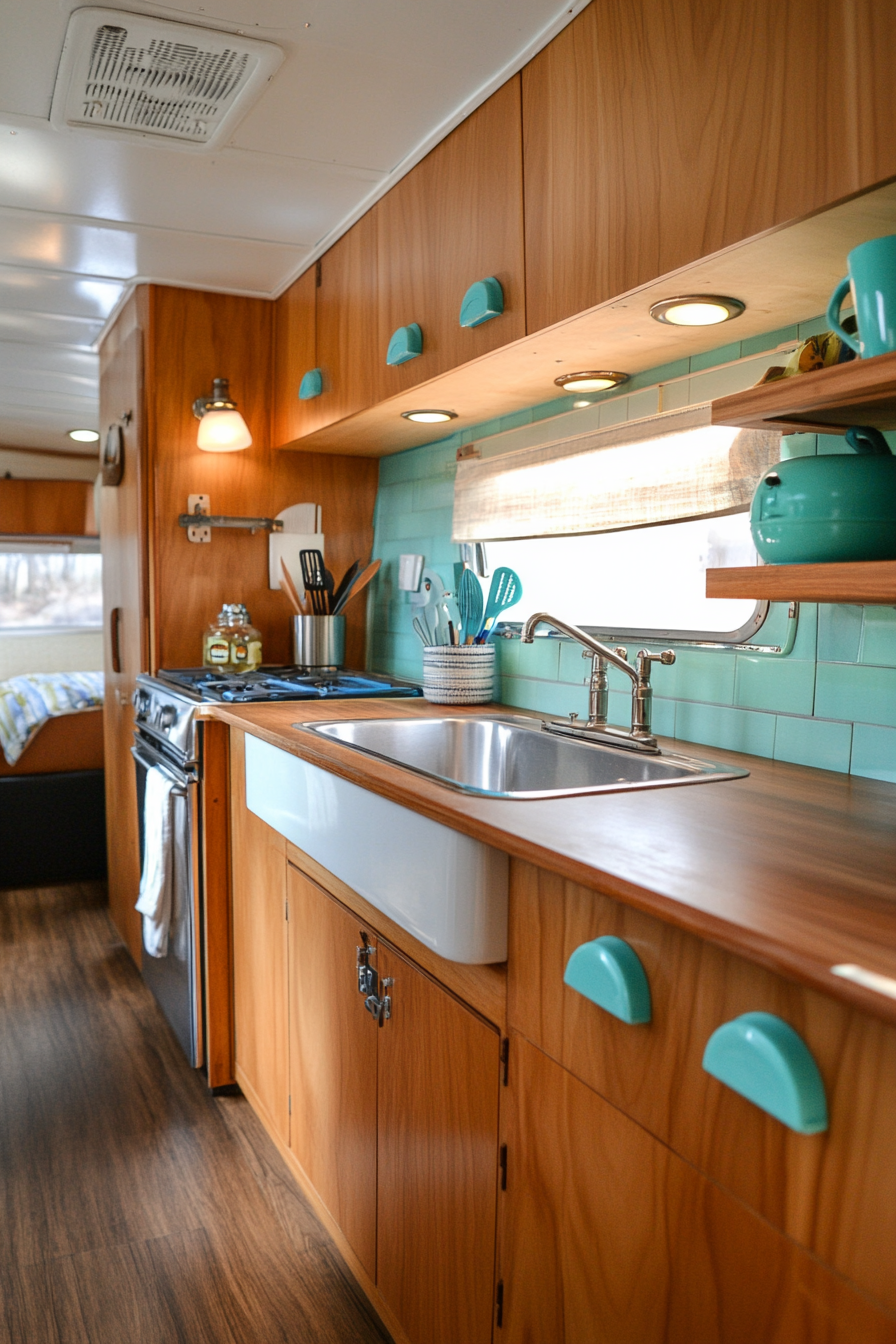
(502, 1165)
(505, 1060)
(499, 1304)
(317, 271)
(290, 1105)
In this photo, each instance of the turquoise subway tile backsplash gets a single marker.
(813, 742)
(862, 694)
(874, 752)
(830, 703)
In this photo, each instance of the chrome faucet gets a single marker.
(601, 655)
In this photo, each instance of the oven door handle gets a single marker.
(145, 756)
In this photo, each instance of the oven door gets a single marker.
(175, 979)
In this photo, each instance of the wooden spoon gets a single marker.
(289, 587)
(360, 582)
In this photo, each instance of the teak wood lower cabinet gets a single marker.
(609, 1236)
(390, 1117)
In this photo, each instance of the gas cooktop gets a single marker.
(281, 683)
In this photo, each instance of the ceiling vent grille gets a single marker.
(142, 76)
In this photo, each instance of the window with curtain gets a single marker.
(614, 529)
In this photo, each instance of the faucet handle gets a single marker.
(622, 651)
(667, 657)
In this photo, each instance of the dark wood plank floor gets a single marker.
(134, 1207)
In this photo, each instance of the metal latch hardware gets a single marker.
(367, 977)
(380, 1006)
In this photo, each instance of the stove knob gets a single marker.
(140, 701)
(167, 715)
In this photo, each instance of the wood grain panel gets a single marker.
(791, 867)
(295, 352)
(656, 133)
(218, 914)
(484, 988)
(194, 338)
(260, 974)
(456, 217)
(833, 1192)
(70, 742)
(333, 1063)
(608, 1235)
(47, 507)
(437, 1160)
(347, 352)
(871, 581)
(126, 587)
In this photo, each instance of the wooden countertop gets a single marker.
(792, 867)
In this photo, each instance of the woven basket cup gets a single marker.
(461, 674)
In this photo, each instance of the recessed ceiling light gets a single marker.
(696, 310)
(592, 380)
(84, 435)
(577, 405)
(429, 417)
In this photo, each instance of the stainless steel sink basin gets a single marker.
(514, 757)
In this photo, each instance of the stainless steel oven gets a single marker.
(167, 738)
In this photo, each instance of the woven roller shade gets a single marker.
(669, 468)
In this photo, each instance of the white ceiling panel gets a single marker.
(231, 193)
(49, 328)
(47, 292)
(30, 427)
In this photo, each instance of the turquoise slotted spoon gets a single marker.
(506, 591)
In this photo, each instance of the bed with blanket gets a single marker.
(52, 806)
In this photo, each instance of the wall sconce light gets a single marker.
(697, 310)
(221, 427)
(591, 380)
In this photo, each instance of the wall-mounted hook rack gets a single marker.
(199, 522)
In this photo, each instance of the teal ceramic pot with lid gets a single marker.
(837, 507)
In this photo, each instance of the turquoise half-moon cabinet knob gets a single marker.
(482, 301)
(608, 971)
(762, 1057)
(405, 343)
(312, 385)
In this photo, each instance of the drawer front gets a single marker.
(608, 1235)
(834, 1192)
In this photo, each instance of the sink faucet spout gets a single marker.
(639, 738)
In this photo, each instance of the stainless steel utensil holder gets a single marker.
(318, 642)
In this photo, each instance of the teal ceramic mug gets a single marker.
(872, 277)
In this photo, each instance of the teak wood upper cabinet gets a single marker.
(456, 218)
(295, 354)
(657, 133)
(346, 326)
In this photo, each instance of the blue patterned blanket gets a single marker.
(27, 702)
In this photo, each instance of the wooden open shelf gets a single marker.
(870, 581)
(828, 401)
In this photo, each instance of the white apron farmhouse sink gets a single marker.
(445, 888)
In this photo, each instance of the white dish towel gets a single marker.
(156, 881)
